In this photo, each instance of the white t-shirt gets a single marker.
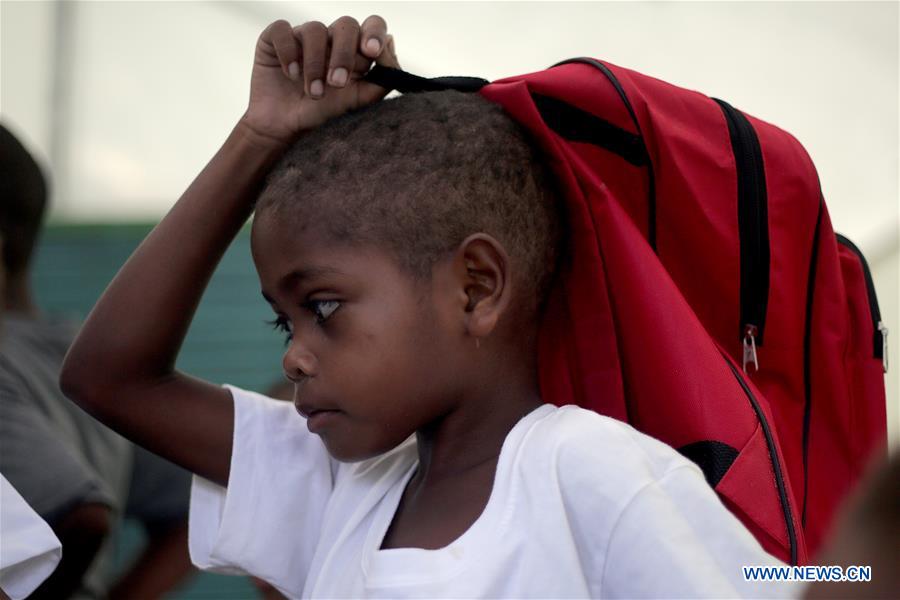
(582, 505)
(29, 550)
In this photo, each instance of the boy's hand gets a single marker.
(305, 75)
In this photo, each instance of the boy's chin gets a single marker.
(345, 452)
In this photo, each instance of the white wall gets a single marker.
(146, 91)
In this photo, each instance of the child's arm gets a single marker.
(121, 366)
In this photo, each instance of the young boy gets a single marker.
(405, 249)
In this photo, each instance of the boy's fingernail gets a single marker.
(339, 76)
(294, 70)
(373, 45)
(316, 88)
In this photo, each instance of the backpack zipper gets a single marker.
(753, 228)
(880, 331)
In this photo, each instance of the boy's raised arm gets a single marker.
(121, 366)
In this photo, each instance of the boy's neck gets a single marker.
(471, 436)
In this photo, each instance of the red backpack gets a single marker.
(706, 300)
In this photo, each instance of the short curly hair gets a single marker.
(418, 174)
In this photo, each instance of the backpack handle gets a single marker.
(407, 83)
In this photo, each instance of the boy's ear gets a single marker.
(482, 267)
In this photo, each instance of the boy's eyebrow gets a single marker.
(298, 275)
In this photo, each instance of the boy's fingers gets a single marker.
(344, 34)
(370, 92)
(313, 38)
(373, 36)
(388, 58)
(280, 37)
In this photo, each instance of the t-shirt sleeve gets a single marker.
(675, 539)
(30, 551)
(39, 458)
(267, 521)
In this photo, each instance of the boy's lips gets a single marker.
(307, 410)
(317, 418)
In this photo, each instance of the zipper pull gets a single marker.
(750, 347)
(882, 328)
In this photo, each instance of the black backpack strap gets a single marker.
(407, 83)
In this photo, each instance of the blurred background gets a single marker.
(124, 102)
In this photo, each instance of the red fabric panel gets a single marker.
(679, 388)
(830, 467)
(696, 198)
(747, 489)
(624, 181)
(865, 372)
(595, 95)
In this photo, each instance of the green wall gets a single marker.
(228, 341)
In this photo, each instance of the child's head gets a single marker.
(430, 228)
(24, 196)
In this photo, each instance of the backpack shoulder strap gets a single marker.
(407, 83)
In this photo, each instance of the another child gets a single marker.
(79, 476)
(406, 248)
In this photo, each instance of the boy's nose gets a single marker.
(298, 362)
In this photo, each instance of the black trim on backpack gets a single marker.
(753, 225)
(773, 456)
(714, 458)
(807, 358)
(576, 125)
(651, 182)
(874, 310)
(407, 83)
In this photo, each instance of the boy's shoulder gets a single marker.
(582, 446)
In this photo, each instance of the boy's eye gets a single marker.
(322, 309)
